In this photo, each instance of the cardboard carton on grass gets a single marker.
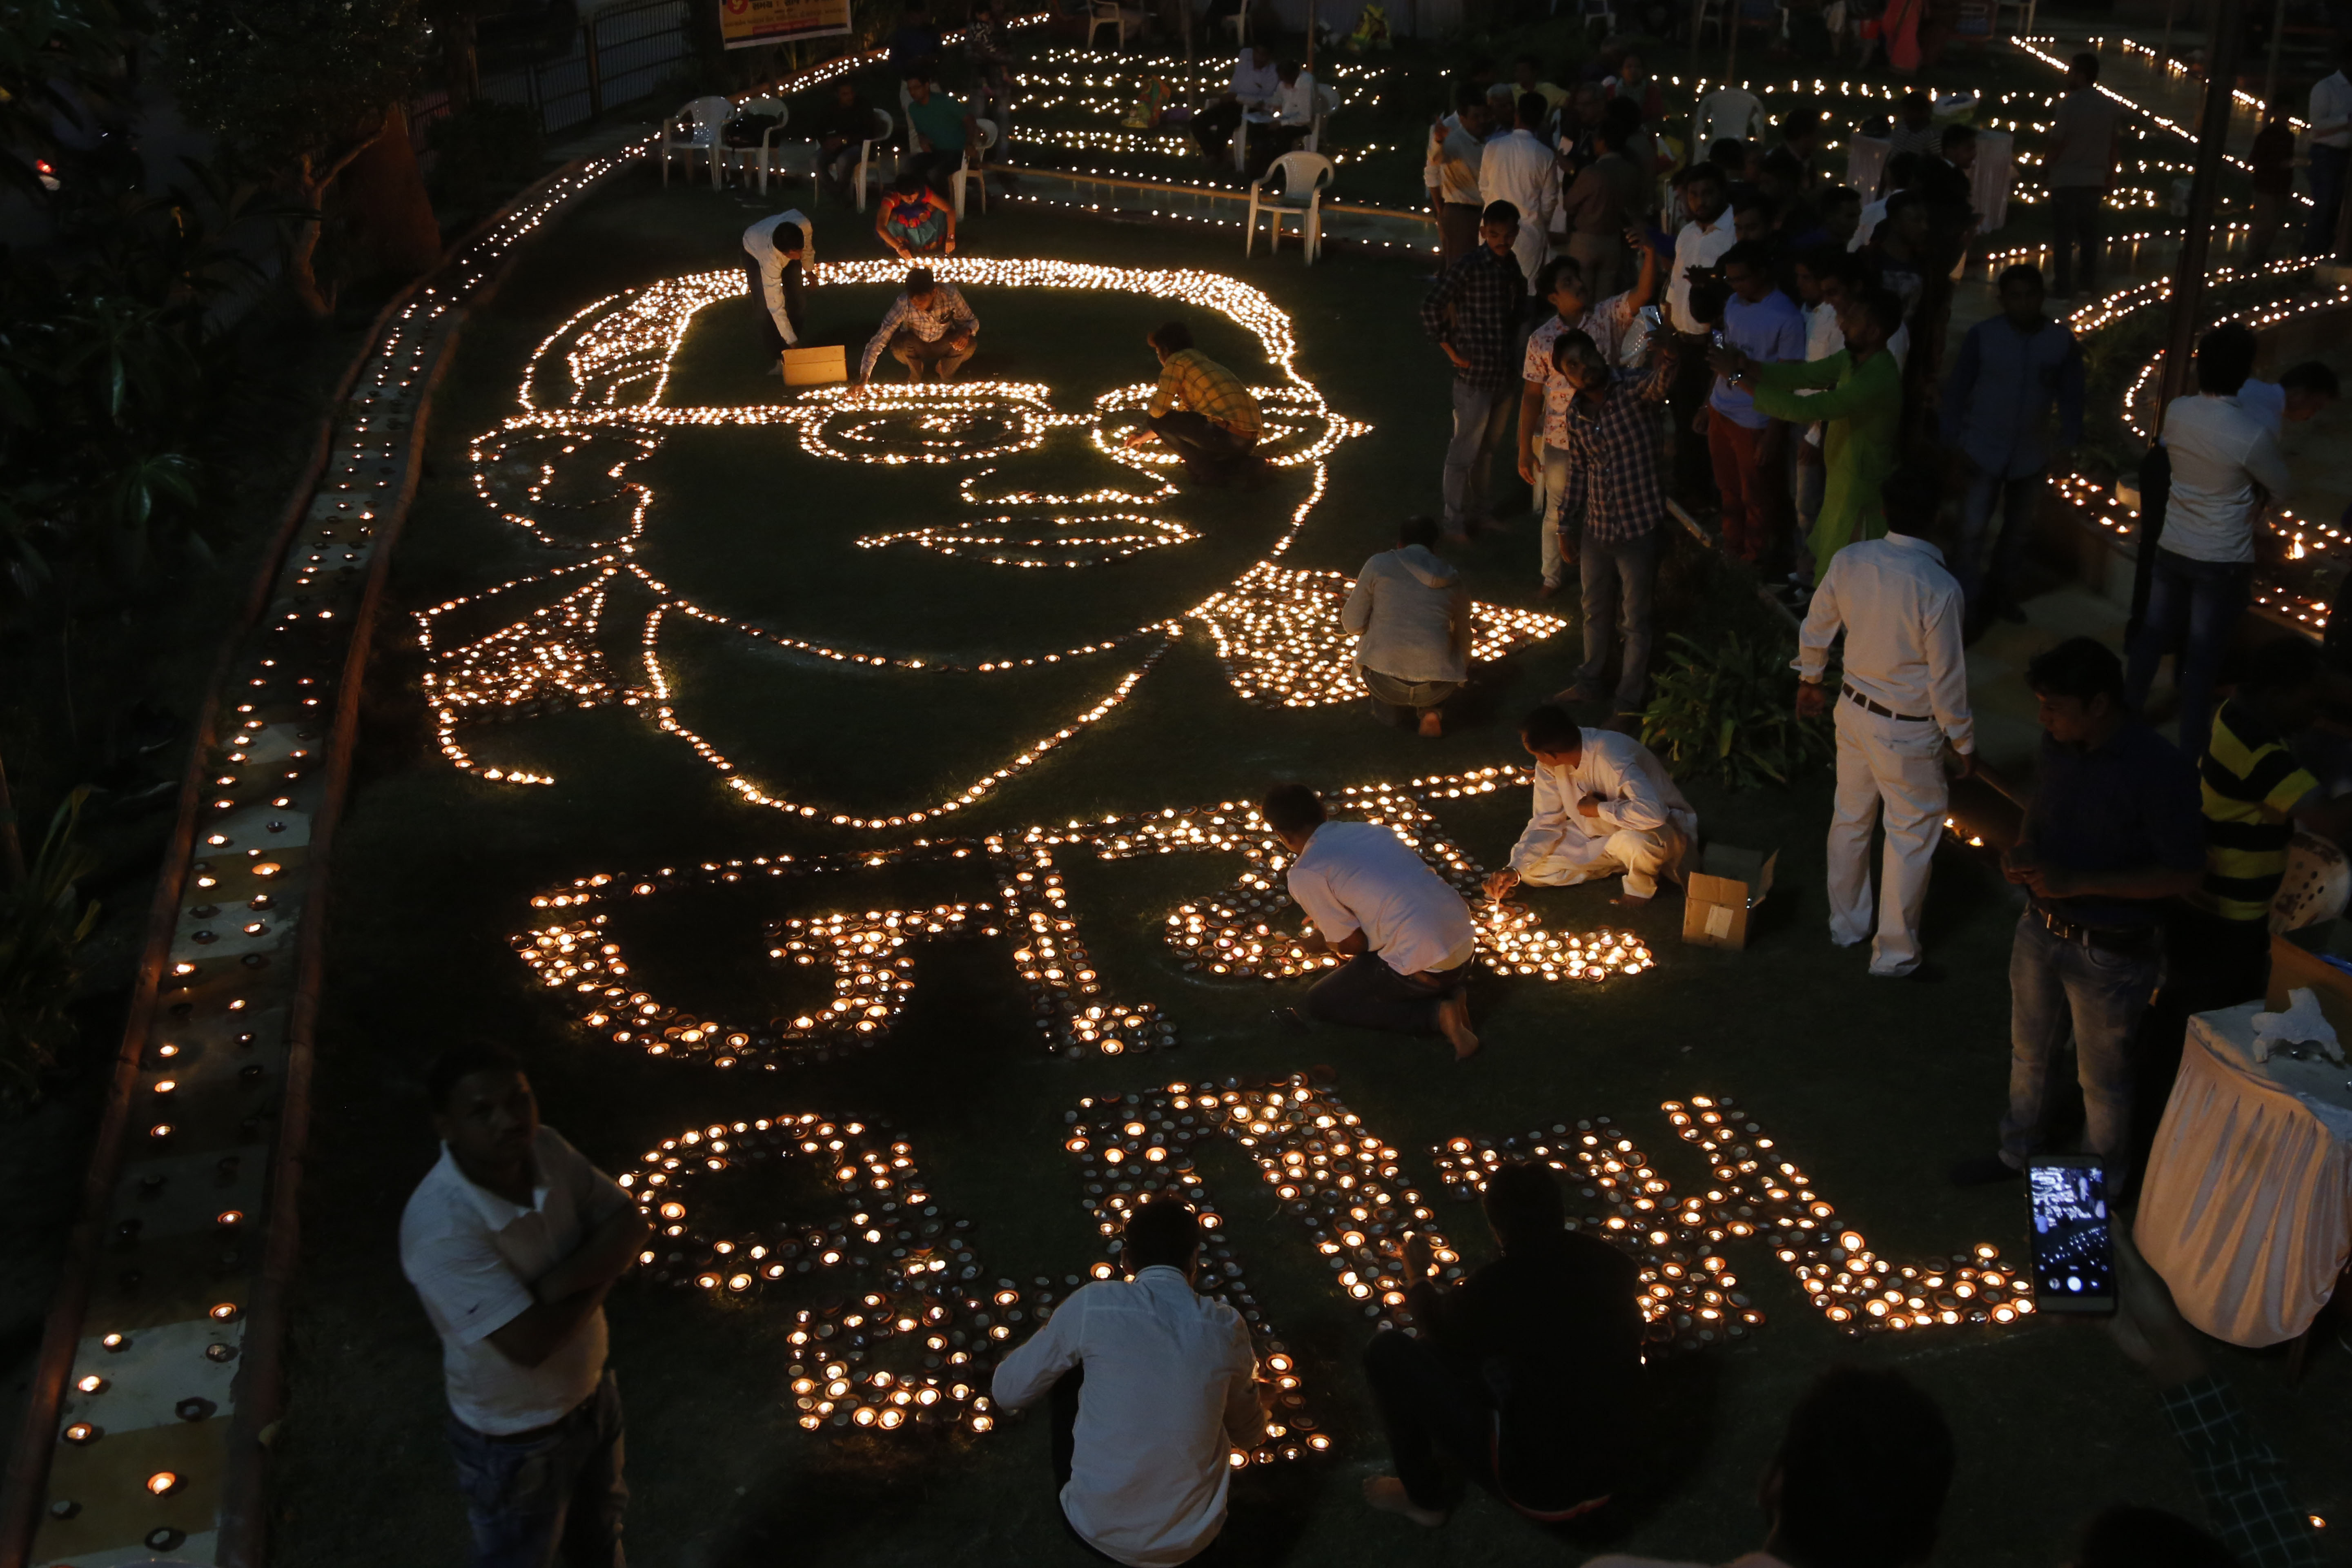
(816, 367)
(1724, 890)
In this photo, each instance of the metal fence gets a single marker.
(616, 55)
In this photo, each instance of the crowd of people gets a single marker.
(1523, 1376)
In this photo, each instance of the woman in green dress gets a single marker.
(1858, 392)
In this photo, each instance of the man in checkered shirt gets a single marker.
(1201, 411)
(1472, 314)
(1611, 485)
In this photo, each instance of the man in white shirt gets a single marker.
(779, 249)
(1859, 1480)
(1520, 170)
(1902, 717)
(1254, 91)
(1450, 173)
(2223, 460)
(2331, 148)
(2299, 396)
(1699, 243)
(1603, 804)
(1151, 1386)
(1406, 934)
(2078, 167)
(511, 1240)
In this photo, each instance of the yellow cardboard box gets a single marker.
(816, 367)
(1728, 884)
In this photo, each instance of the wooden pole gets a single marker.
(2269, 72)
(1310, 37)
(2164, 54)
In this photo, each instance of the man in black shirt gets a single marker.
(1511, 1365)
(840, 132)
(2111, 833)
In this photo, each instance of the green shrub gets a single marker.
(41, 932)
(1727, 711)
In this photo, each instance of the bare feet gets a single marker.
(1387, 1494)
(1454, 1023)
(1433, 724)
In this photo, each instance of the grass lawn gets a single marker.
(1873, 1089)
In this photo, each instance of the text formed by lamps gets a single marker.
(911, 1300)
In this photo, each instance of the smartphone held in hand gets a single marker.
(2073, 1250)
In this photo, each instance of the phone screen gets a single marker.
(2074, 1254)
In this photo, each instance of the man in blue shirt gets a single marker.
(2010, 369)
(1746, 447)
(2114, 832)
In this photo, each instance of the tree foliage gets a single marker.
(42, 929)
(1726, 711)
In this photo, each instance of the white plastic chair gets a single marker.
(756, 162)
(974, 167)
(702, 118)
(1101, 14)
(2024, 9)
(1304, 177)
(1706, 14)
(1238, 23)
(1326, 101)
(2316, 887)
(882, 128)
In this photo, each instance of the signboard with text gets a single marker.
(746, 23)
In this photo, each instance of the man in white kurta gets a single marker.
(781, 251)
(1520, 170)
(1901, 710)
(1604, 805)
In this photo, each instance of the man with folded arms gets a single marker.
(1902, 717)
(511, 1241)
(1151, 1386)
(1406, 935)
(1603, 803)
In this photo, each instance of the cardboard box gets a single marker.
(1726, 887)
(816, 367)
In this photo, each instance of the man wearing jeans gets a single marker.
(2221, 459)
(1472, 314)
(1406, 935)
(511, 1241)
(2011, 370)
(1201, 411)
(1611, 485)
(2331, 149)
(2078, 167)
(2111, 833)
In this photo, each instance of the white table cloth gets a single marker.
(1994, 176)
(2247, 1208)
(1866, 165)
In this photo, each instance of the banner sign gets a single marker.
(746, 23)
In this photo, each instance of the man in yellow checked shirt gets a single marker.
(1201, 411)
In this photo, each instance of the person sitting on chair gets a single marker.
(840, 132)
(1407, 936)
(1201, 411)
(1253, 92)
(1602, 804)
(929, 324)
(939, 130)
(778, 248)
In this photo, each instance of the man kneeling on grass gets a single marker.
(1151, 1386)
(1602, 804)
(1406, 935)
(929, 325)
(1201, 411)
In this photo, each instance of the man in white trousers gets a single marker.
(1603, 804)
(1902, 717)
(1520, 170)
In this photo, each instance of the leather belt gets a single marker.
(1884, 711)
(2115, 938)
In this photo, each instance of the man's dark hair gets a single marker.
(1885, 308)
(1909, 496)
(2123, 1536)
(1158, 1231)
(1286, 71)
(2079, 668)
(1899, 168)
(2225, 358)
(1800, 122)
(1915, 99)
(1838, 195)
(1700, 173)
(919, 280)
(2087, 65)
(1956, 134)
(1751, 201)
(1171, 337)
(462, 1061)
(1899, 204)
(1825, 260)
(1499, 212)
(1422, 531)
(1549, 729)
(1292, 808)
(1754, 254)
(1523, 1205)
(2023, 272)
(1531, 108)
(1558, 268)
(1467, 94)
(2311, 376)
(1621, 116)
(2284, 664)
(1863, 1466)
(1727, 153)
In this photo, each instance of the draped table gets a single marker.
(2247, 1207)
